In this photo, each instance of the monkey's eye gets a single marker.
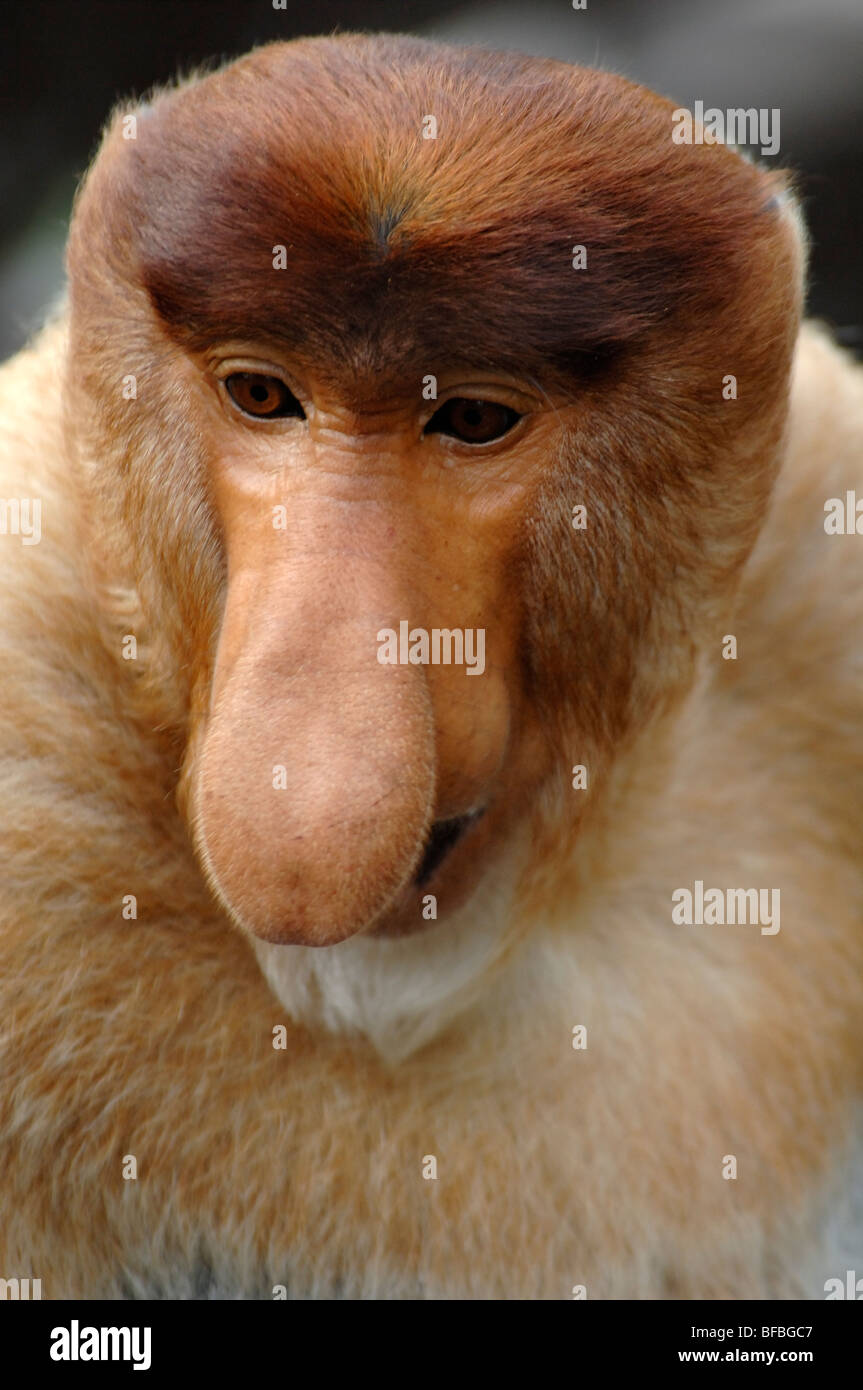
(472, 422)
(264, 397)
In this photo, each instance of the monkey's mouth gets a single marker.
(443, 837)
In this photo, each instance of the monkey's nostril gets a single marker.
(443, 837)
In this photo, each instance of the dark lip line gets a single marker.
(443, 837)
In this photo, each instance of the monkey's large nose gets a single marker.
(315, 782)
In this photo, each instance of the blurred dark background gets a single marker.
(63, 65)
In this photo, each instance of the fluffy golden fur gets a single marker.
(303, 1166)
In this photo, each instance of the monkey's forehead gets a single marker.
(392, 203)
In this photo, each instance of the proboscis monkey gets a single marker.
(431, 704)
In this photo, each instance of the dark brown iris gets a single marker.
(472, 422)
(265, 397)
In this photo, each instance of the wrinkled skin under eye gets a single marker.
(263, 397)
(472, 422)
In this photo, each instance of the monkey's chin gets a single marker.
(399, 986)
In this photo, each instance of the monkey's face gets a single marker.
(368, 731)
(382, 365)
